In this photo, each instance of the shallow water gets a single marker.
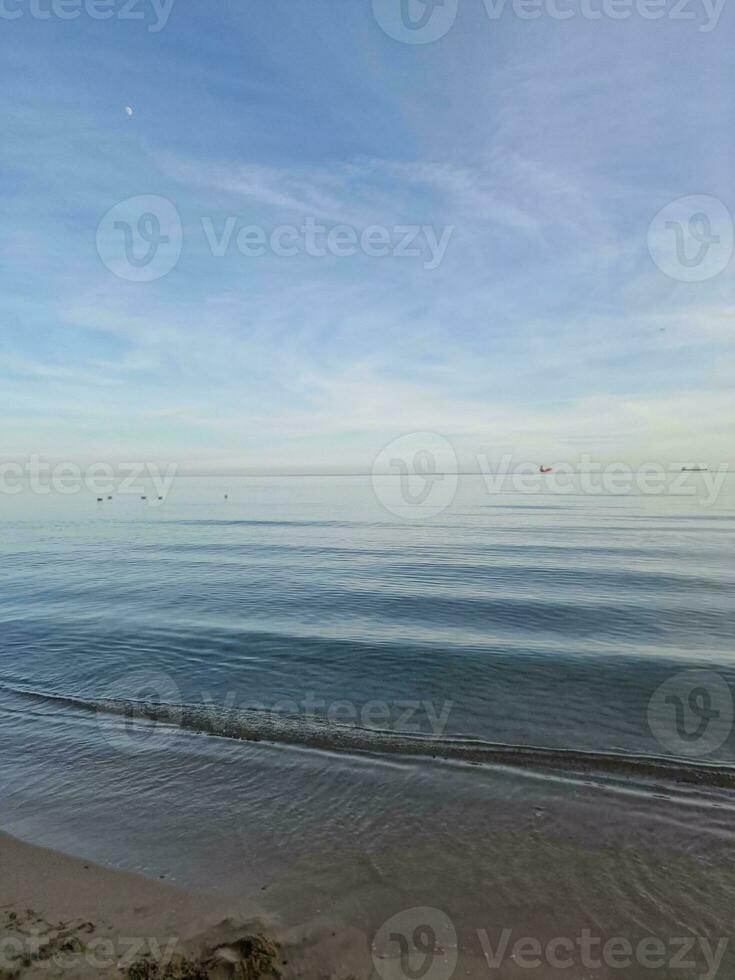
(385, 706)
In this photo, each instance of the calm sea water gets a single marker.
(472, 677)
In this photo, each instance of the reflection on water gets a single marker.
(548, 622)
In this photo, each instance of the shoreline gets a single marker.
(63, 916)
(68, 918)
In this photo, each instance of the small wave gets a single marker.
(254, 725)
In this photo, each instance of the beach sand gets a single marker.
(329, 919)
(66, 917)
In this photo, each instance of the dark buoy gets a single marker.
(109, 498)
(143, 498)
(99, 500)
(160, 498)
(227, 496)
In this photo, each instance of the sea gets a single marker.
(515, 707)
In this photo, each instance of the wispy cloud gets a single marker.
(546, 329)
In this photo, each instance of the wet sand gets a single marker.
(67, 917)
(64, 917)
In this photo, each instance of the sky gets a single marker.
(533, 244)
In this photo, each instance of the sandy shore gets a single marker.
(65, 917)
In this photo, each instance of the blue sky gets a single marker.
(545, 146)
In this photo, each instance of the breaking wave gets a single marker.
(256, 725)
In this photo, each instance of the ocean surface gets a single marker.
(296, 682)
